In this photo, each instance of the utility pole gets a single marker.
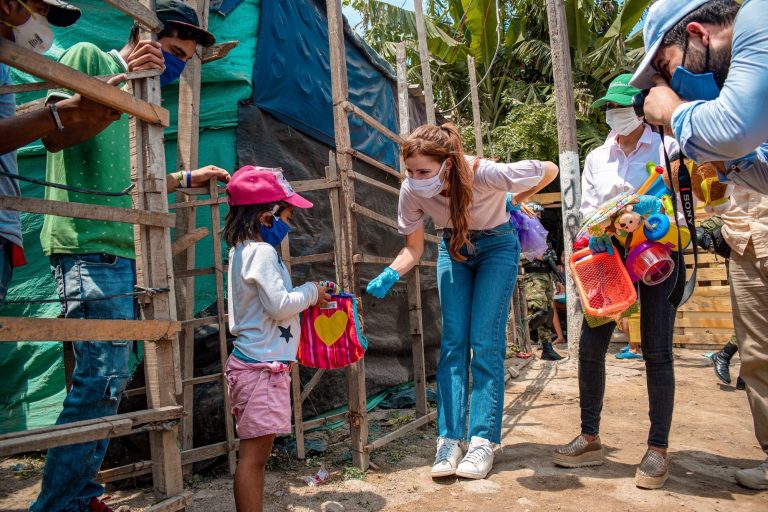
(475, 106)
(569, 156)
(421, 33)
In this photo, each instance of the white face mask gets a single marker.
(622, 120)
(35, 34)
(428, 187)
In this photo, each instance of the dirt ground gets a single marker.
(711, 438)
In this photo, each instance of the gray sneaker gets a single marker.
(754, 478)
(653, 471)
(579, 453)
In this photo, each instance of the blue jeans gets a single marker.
(657, 322)
(6, 268)
(474, 298)
(99, 378)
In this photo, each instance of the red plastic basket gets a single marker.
(604, 285)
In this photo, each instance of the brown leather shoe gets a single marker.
(579, 453)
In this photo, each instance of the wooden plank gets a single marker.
(365, 212)
(309, 386)
(547, 198)
(187, 383)
(707, 304)
(298, 419)
(221, 310)
(375, 183)
(705, 258)
(105, 427)
(321, 422)
(475, 106)
(73, 329)
(426, 74)
(402, 92)
(87, 211)
(702, 322)
(372, 122)
(203, 191)
(140, 468)
(397, 434)
(187, 241)
(310, 185)
(331, 174)
(139, 12)
(184, 274)
(312, 258)
(712, 274)
(383, 260)
(701, 339)
(373, 162)
(358, 415)
(712, 291)
(180, 205)
(199, 322)
(155, 268)
(218, 51)
(172, 504)
(45, 85)
(93, 88)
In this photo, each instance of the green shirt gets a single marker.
(101, 163)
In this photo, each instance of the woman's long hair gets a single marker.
(242, 222)
(441, 143)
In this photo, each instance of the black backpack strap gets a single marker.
(683, 289)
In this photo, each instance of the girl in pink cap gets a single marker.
(264, 312)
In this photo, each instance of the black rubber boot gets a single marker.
(740, 384)
(548, 353)
(722, 361)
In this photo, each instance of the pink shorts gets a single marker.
(261, 397)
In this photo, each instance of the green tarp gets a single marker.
(33, 374)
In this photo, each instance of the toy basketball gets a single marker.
(604, 285)
(650, 262)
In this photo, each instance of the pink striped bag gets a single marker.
(332, 336)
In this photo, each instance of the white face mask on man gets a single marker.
(622, 120)
(35, 34)
(428, 187)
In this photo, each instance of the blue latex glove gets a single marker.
(601, 244)
(380, 285)
(511, 206)
(647, 205)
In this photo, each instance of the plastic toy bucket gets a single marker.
(650, 262)
(604, 286)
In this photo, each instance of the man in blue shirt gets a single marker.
(707, 68)
(707, 64)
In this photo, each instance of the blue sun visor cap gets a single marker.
(662, 16)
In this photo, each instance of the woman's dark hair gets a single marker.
(242, 222)
(442, 143)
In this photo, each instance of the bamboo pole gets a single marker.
(569, 155)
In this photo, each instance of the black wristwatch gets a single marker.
(55, 115)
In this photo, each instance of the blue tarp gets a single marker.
(292, 78)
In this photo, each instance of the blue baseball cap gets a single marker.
(662, 16)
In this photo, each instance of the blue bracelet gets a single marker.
(189, 179)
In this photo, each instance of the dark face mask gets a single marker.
(694, 86)
(174, 66)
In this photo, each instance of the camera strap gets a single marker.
(683, 289)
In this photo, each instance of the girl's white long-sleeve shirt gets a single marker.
(263, 305)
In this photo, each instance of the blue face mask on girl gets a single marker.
(174, 66)
(274, 234)
(694, 86)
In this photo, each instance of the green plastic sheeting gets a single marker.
(33, 373)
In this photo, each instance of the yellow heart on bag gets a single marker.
(330, 328)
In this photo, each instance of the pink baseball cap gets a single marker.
(262, 185)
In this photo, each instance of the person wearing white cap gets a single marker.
(714, 56)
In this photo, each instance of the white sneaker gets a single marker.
(447, 458)
(478, 461)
